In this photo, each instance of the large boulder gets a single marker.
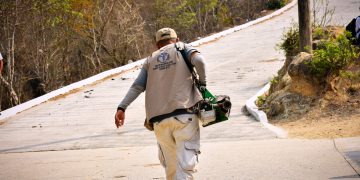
(283, 104)
(303, 81)
(294, 89)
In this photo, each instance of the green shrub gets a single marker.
(274, 80)
(275, 4)
(260, 100)
(319, 33)
(332, 55)
(290, 41)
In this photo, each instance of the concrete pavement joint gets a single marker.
(261, 116)
(349, 161)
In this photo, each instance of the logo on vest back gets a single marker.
(163, 57)
(164, 61)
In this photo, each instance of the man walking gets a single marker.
(169, 100)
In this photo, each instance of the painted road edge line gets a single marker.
(261, 116)
(36, 101)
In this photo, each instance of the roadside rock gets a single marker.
(283, 104)
(296, 90)
(302, 80)
(293, 91)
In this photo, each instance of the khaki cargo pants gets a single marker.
(179, 145)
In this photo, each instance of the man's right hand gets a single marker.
(119, 118)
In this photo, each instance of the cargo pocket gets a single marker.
(194, 151)
(193, 143)
(190, 153)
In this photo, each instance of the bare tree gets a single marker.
(322, 13)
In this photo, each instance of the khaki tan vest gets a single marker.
(169, 84)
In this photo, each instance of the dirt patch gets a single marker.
(270, 60)
(327, 118)
(334, 126)
(151, 165)
(66, 94)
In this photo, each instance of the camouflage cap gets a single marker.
(165, 33)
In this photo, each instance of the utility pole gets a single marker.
(305, 26)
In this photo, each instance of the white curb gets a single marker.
(21, 107)
(261, 116)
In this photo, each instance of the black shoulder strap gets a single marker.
(188, 63)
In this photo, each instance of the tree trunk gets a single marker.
(14, 99)
(305, 26)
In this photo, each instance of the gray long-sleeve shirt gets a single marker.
(139, 84)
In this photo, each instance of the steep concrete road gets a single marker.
(239, 65)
